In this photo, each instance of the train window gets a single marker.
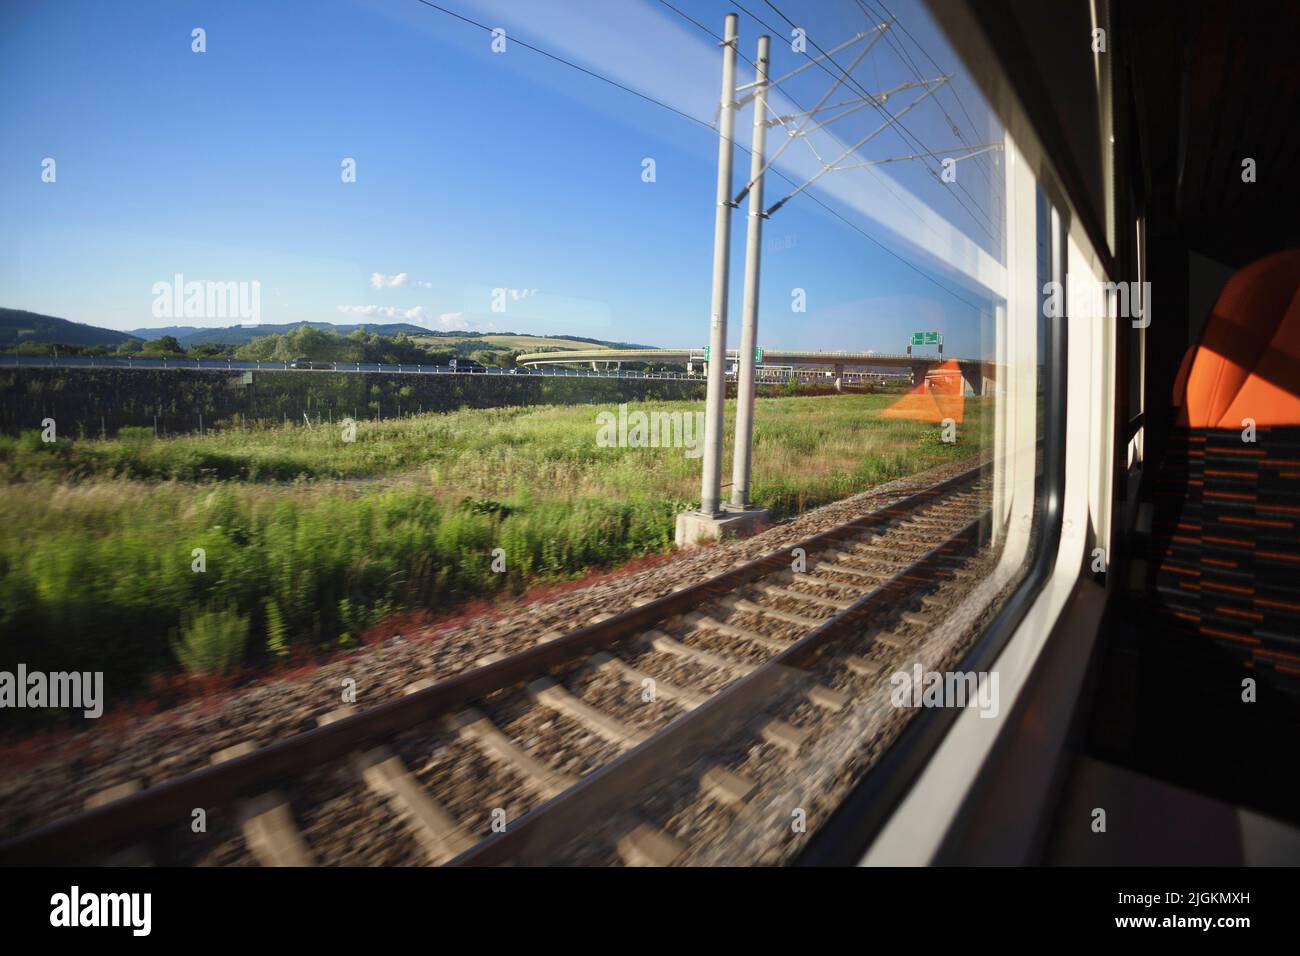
(584, 434)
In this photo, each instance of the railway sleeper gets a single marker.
(700, 621)
(661, 642)
(689, 699)
(267, 821)
(727, 787)
(818, 695)
(809, 577)
(802, 620)
(775, 590)
(549, 693)
(477, 730)
(647, 845)
(440, 836)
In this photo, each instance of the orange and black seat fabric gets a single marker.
(1225, 544)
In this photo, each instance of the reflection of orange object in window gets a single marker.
(939, 396)
(1247, 363)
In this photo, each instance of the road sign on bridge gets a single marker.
(758, 354)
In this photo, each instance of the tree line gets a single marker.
(304, 342)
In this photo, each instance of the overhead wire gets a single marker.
(672, 109)
(902, 128)
(905, 57)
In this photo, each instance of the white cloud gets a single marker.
(453, 322)
(381, 281)
(416, 314)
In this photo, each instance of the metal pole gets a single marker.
(749, 308)
(711, 480)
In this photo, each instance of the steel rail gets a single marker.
(133, 818)
(567, 818)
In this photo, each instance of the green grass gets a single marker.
(308, 539)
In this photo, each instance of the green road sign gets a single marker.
(925, 338)
(758, 354)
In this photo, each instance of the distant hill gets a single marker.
(189, 335)
(18, 326)
(174, 330)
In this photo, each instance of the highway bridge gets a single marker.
(182, 364)
(777, 367)
(975, 373)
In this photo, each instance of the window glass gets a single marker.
(354, 346)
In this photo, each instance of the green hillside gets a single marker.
(18, 326)
(190, 335)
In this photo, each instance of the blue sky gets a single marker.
(475, 170)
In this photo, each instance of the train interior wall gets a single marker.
(1187, 771)
(1184, 768)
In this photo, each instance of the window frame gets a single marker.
(866, 809)
(916, 804)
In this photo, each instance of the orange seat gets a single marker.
(1225, 549)
(1247, 362)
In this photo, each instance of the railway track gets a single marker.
(563, 752)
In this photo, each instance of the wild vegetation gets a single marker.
(136, 555)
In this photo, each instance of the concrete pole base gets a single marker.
(695, 527)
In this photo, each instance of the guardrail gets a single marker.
(241, 365)
(244, 365)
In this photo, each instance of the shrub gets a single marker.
(211, 640)
(277, 644)
(135, 435)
